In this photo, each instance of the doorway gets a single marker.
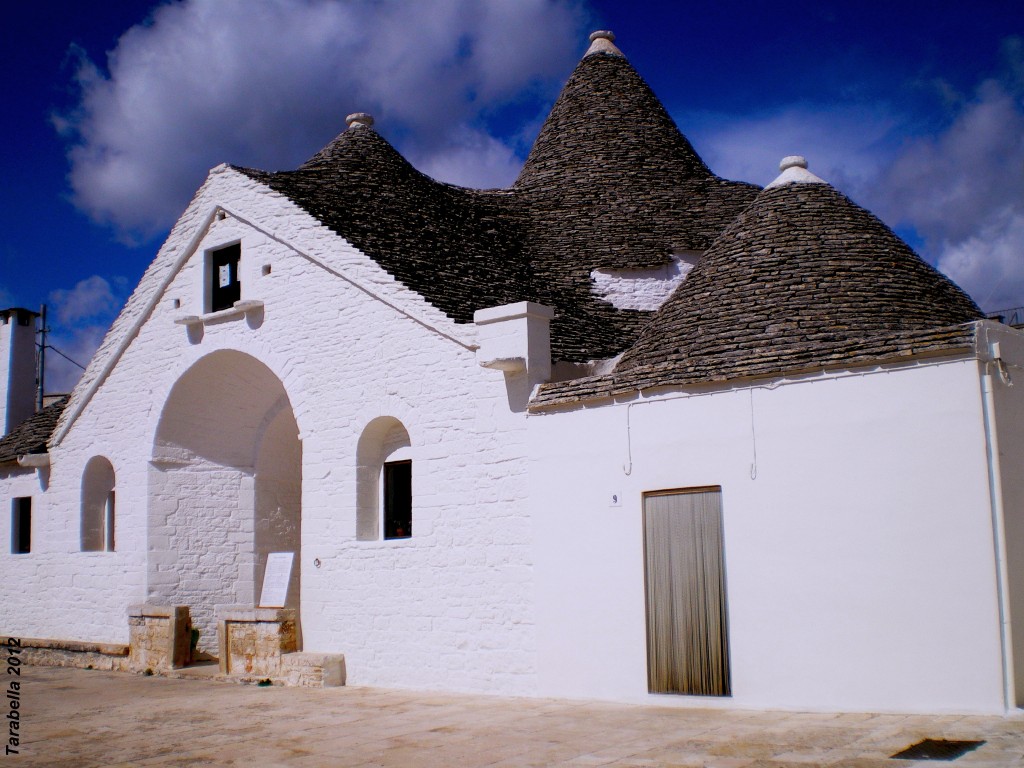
(684, 559)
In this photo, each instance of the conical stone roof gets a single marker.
(457, 247)
(801, 275)
(610, 183)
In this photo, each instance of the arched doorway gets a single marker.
(225, 489)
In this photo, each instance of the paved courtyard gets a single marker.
(81, 718)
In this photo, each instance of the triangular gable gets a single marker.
(254, 205)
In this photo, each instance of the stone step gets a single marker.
(313, 670)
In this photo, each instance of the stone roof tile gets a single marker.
(32, 435)
(610, 182)
(774, 362)
(803, 269)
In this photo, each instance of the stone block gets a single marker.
(72, 653)
(252, 640)
(158, 637)
(313, 670)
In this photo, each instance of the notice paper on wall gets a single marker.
(275, 579)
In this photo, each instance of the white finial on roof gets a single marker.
(794, 171)
(602, 41)
(362, 119)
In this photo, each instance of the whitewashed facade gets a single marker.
(872, 508)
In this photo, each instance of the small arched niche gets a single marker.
(384, 481)
(98, 482)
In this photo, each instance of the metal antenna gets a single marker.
(41, 371)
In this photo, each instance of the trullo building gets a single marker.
(625, 430)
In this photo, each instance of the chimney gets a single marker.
(17, 366)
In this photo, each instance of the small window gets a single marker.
(225, 284)
(97, 533)
(397, 500)
(384, 458)
(21, 525)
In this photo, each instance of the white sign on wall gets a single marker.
(275, 579)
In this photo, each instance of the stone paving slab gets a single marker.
(82, 718)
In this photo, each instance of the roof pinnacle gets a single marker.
(360, 120)
(602, 41)
(794, 171)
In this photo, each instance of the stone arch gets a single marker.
(97, 523)
(225, 489)
(385, 437)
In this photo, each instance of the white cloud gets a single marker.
(989, 263)
(963, 191)
(79, 344)
(951, 183)
(90, 298)
(846, 145)
(78, 318)
(269, 83)
(960, 189)
(473, 159)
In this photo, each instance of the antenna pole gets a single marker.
(41, 371)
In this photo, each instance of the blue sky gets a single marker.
(116, 111)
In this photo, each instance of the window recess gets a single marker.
(225, 286)
(397, 500)
(21, 525)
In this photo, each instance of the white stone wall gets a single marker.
(858, 540)
(17, 482)
(643, 289)
(279, 501)
(1006, 383)
(449, 608)
(201, 542)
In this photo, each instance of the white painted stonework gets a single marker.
(643, 289)
(199, 423)
(858, 539)
(873, 518)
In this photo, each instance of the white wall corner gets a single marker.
(516, 338)
(994, 341)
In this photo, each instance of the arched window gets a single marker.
(384, 481)
(98, 506)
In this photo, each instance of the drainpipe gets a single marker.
(995, 482)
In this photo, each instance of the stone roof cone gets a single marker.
(802, 272)
(607, 125)
(358, 138)
(612, 183)
(444, 242)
